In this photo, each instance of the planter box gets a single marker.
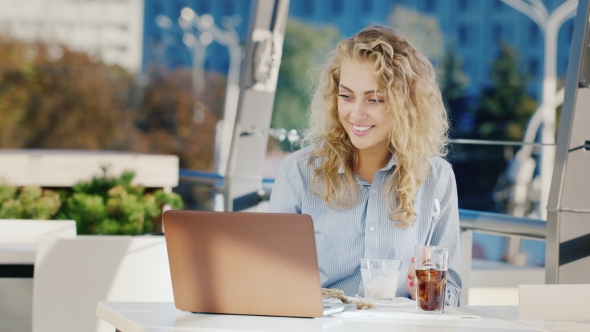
(65, 168)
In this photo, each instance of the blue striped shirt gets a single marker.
(345, 235)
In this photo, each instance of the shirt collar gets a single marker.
(392, 162)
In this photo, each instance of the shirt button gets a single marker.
(374, 191)
(371, 228)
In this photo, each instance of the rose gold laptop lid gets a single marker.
(243, 263)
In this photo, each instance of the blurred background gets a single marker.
(150, 76)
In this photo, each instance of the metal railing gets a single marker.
(477, 221)
(503, 224)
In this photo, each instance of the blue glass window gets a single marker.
(462, 35)
(463, 5)
(534, 33)
(337, 7)
(308, 7)
(533, 67)
(429, 6)
(366, 6)
(497, 33)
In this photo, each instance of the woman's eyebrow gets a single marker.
(369, 92)
(342, 86)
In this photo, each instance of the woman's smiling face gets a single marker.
(362, 108)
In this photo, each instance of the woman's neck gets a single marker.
(370, 161)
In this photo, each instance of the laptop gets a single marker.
(246, 263)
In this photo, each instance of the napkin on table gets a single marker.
(408, 311)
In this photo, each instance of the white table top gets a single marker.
(164, 317)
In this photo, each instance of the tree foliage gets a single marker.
(68, 101)
(169, 119)
(55, 98)
(422, 30)
(304, 49)
(453, 81)
(505, 107)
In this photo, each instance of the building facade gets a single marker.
(474, 28)
(108, 30)
(126, 32)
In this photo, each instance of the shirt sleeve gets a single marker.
(286, 195)
(448, 233)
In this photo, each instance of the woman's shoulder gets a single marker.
(299, 157)
(441, 167)
(441, 162)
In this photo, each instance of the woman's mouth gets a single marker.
(361, 130)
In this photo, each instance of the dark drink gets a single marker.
(431, 289)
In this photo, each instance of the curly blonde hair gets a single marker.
(415, 109)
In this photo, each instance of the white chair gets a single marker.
(73, 275)
(18, 243)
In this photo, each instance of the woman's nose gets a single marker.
(360, 110)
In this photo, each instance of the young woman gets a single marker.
(372, 168)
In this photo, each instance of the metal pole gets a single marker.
(567, 258)
(258, 81)
(552, 25)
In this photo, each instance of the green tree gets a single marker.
(453, 82)
(51, 97)
(55, 98)
(505, 107)
(422, 30)
(167, 119)
(303, 49)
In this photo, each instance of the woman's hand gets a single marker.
(411, 280)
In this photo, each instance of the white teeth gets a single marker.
(361, 128)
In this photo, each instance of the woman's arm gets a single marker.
(448, 233)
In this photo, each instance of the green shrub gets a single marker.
(114, 206)
(27, 202)
(103, 205)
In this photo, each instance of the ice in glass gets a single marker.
(380, 278)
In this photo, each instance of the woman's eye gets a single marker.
(376, 101)
(345, 97)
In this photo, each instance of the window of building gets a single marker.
(534, 33)
(497, 33)
(467, 67)
(498, 5)
(429, 6)
(462, 35)
(157, 7)
(337, 7)
(177, 7)
(203, 7)
(565, 63)
(533, 67)
(570, 30)
(463, 5)
(366, 6)
(308, 7)
(228, 8)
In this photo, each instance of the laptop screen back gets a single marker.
(243, 263)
